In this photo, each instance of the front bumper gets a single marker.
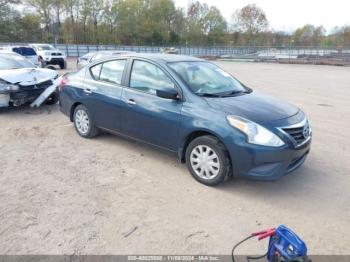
(265, 163)
(52, 60)
(25, 96)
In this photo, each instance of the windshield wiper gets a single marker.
(209, 94)
(235, 92)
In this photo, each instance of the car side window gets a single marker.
(112, 71)
(148, 77)
(95, 71)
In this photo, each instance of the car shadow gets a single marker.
(290, 186)
(139, 147)
(26, 109)
(295, 183)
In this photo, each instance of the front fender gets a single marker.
(205, 121)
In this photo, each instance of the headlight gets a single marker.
(7, 87)
(255, 133)
(47, 53)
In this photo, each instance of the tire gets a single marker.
(43, 64)
(83, 123)
(50, 67)
(212, 171)
(63, 65)
(52, 99)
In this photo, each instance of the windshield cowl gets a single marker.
(226, 94)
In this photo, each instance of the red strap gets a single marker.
(262, 232)
(265, 233)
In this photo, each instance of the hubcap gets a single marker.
(205, 162)
(82, 121)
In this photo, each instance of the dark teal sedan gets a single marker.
(214, 123)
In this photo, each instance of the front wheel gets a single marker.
(52, 99)
(207, 160)
(83, 123)
(42, 63)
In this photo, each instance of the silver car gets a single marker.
(21, 82)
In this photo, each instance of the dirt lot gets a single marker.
(61, 194)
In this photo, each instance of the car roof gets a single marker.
(39, 44)
(8, 53)
(20, 46)
(163, 58)
(111, 51)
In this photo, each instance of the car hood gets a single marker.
(27, 76)
(255, 106)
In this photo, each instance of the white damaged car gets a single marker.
(22, 83)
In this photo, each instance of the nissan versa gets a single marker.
(216, 124)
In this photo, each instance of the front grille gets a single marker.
(298, 134)
(56, 54)
(27, 94)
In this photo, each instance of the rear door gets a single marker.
(102, 91)
(146, 116)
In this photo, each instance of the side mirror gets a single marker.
(168, 94)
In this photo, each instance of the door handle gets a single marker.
(131, 102)
(88, 91)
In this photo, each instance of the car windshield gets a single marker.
(14, 62)
(207, 79)
(45, 47)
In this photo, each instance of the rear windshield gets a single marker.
(13, 62)
(25, 51)
(45, 47)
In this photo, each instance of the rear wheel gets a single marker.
(208, 161)
(63, 65)
(83, 123)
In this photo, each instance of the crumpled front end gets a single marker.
(6, 89)
(24, 86)
(20, 95)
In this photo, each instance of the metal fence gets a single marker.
(253, 53)
(218, 51)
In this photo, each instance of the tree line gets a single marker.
(151, 22)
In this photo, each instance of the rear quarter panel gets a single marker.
(72, 93)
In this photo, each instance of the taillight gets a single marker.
(62, 83)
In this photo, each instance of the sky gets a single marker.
(287, 15)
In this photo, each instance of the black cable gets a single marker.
(240, 242)
(256, 258)
(248, 257)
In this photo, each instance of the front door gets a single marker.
(146, 116)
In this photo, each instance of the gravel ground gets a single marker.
(61, 194)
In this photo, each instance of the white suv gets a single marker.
(49, 55)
